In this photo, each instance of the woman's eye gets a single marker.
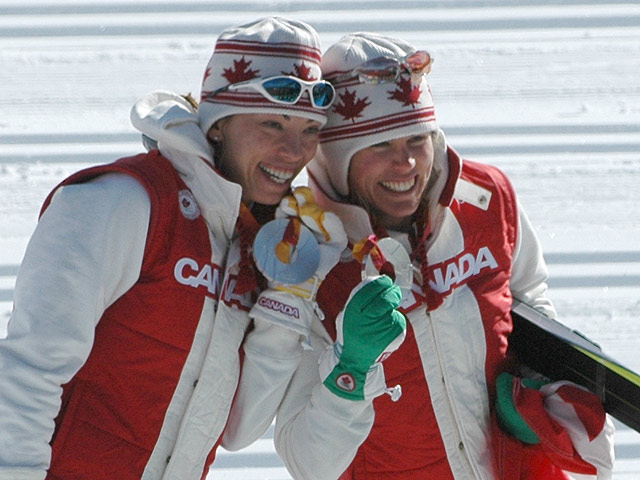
(417, 140)
(272, 124)
(381, 145)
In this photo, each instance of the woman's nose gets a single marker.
(292, 147)
(404, 158)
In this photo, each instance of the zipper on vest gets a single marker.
(460, 447)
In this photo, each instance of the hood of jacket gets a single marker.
(170, 123)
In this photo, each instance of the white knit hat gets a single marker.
(267, 47)
(365, 114)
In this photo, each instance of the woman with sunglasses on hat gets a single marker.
(122, 354)
(384, 168)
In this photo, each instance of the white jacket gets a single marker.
(70, 277)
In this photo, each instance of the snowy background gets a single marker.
(547, 90)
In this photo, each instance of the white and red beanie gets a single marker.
(263, 48)
(365, 114)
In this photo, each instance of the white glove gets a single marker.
(292, 306)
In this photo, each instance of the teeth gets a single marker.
(399, 186)
(278, 176)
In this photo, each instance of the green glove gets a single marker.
(369, 329)
(510, 419)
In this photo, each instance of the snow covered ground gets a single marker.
(547, 90)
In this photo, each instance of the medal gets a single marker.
(285, 251)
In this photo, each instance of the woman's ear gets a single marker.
(216, 136)
(215, 133)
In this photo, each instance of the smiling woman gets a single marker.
(264, 153)
(384, 167)
(389, 179)
(135, 291)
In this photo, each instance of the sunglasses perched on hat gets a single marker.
(387, 69)
(287, 90)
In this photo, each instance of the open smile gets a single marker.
(399, 187)
(279, 176)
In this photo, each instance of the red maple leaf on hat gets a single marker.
(240, 71)
(301, 71)
(207, 73)
(405, 92)
(351, 107)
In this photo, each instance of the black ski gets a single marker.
(556, 351)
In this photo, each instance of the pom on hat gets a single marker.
(264, 48)
(366, 114)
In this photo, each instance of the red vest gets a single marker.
(113, 409)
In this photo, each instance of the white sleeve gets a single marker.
(271, 355)
(86, 251)
(529, 274)
(317, 433)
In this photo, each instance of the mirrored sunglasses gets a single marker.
(387, 69)
(286, 89)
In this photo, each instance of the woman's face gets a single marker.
(263, 153)
(390, 178)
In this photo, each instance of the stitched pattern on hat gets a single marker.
(301, 71)
(284, 49)
(351, 107)
(240, 71)
(377, 125)
(406, 93)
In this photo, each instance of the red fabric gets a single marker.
(114, 408)
(588, 407)
(555, 452)
(405, 441)
(554, 439)
(517, 461)
(247, 226)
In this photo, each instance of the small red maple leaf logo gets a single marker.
(301, 71)
(346, 382)
(405, 93)
(240, 71)
(351, 107)
(207, 73)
